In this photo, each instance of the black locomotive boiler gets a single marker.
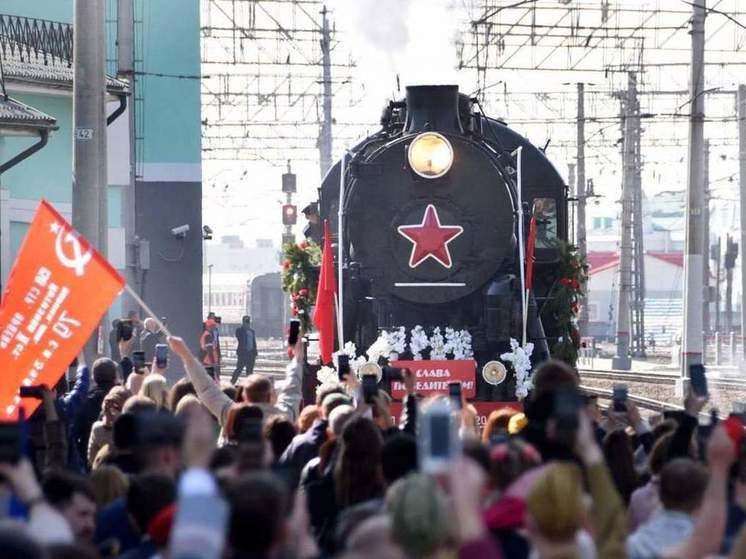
(430, 226)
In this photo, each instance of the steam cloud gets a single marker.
(414, 39)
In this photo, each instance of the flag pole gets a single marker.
(340, 250)
(521, 253)
(147, 309)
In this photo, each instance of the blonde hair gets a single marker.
(108, 484)
(186, 404)
(155, 388)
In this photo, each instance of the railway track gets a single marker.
(668, 379)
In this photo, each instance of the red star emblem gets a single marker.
(430, 239)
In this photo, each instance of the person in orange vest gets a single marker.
(207, 346)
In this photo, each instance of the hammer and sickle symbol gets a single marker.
(79, 260)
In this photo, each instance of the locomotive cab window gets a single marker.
(545, 212)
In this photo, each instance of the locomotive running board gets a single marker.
(429, 284)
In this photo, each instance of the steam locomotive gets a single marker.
(430, 220)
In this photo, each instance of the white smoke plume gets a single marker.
(412, 39)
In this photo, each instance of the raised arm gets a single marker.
(207, 389)
(608, 514)
(710, 524)
(288, 400)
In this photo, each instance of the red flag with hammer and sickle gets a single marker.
(56, 293)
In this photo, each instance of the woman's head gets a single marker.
(509, 461)
(555, 504)
(307, 416)
(108, 484)
(357, 474)
(114, 402)
(155, 387)
(617, 449)
(240, 419)
(182, 387)
(419, 515)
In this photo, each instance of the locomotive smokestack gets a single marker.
(433, 107)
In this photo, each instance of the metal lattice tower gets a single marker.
(271, 69)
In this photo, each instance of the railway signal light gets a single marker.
(289, 183)
(289, 214)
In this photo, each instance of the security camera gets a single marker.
(180, 232)
(207, 233)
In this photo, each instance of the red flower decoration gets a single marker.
(567, 282)
(286, 265)
(303, 245)
(303, 292)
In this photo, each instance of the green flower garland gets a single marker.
(300, 279)
(563, 302)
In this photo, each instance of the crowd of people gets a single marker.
(117, 463)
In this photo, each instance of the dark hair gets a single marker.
(257, 389)
(509, 460)
(16, 544)
(182, 387)
(60, 487)
(279, 432)
(474, 449)
(553, 375)
(147, 495)
(617, 449)
(357, 473)
(237, 418)
(665, 426)
(230, 391)
(398, 456)
(659, 454)
(70, 551)
(104, 371)
(682, 485)
(259, 503)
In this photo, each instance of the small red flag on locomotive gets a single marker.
(530, 249)
(323, 314)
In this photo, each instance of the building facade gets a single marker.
(154, 154)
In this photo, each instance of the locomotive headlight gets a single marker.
(430, 155)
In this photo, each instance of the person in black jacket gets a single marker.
(104, 373)
(246, 350)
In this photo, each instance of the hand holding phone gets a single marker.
(293, 332)
(370, 388)
(439, 443)
(619, 397)
(36, 392)
(343, 366)
(454, 393)
(161, 356)
(698, 380)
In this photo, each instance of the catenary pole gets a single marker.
(581, 195)
(706, 248)
(126, 70)
(622, 359)
(325, 141)
(692, 347)
(742, 185)
(89, 134)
